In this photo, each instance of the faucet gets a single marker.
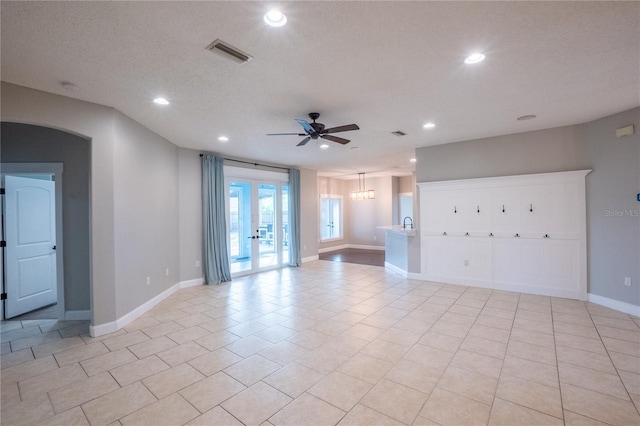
(404, 223)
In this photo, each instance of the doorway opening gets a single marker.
(32, 258)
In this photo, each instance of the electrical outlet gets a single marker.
(627, 281)
(166, 272)
(197, 263)
(148, 280)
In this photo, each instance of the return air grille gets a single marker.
(224, 49)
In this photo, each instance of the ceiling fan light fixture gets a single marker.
(161, 101)
(324, 146)
(474, 58)
(275, 18)
(429, 125)
(223, 139)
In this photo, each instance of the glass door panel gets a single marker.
(240, 241)
(255, 226)
(267, 225)
(285, 225)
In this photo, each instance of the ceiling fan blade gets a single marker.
(344, 128)
(305, 125)
(281, 134)
(304, 141)
(335, 139)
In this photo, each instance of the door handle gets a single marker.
(253, 238)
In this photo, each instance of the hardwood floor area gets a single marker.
(358, 256)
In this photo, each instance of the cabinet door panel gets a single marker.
(505, 212)
(479, 255)
(563, 263)
(506, 256)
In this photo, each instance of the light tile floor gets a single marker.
(331, 343)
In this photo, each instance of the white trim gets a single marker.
(625, 307)
(333, 248)
(310, 258)
(409, 275)
(234, 172)
(363, 247)
(394, 268)
(191, 283)
(348, 246)
(77, 315)
(110, 327)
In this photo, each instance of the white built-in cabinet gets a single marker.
(521, 233)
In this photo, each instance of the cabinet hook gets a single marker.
(478, 209)
(466, 234)
(491, 234)
(547, 236)
(531, 208)
(517, 235)
(503, 208)
(444, 234)
(455, 209)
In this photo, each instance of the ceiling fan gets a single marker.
(316, 130)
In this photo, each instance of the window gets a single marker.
(330, 217)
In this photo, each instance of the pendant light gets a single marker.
(362, 193)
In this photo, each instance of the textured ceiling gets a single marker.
(384, 65)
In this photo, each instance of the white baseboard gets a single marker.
(395, 269)
(77, 315)
(113, 326)
(363, 247)
(310, 258)
(402, 272)
(348, 246)
(627, 308)
(191, 283)
(333, 248)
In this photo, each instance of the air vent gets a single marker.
(228, 51)
(399, 133)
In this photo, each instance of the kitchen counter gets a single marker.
(401, 250)
(399, 229)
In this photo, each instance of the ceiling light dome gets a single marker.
(474, 58)
(275, 18)
(324, 146)
(223, 139)
(429, 126)
(161, 101)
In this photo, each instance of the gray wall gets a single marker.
(614, 241)
(24, 143)
(95, 122)
(190, 213)
(366, 215)
(308, 213)
(551, 150)
(146, 213)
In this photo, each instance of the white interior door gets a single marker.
(30, 232)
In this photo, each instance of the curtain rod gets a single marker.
(253, 164)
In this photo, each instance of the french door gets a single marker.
(257, 223)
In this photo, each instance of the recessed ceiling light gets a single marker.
(161, 101)
(413, 160)
(429, 126)
(527, 117)
(69, 86)
(275, 18)
(324, 146)
(223, 139)
(474, 58)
